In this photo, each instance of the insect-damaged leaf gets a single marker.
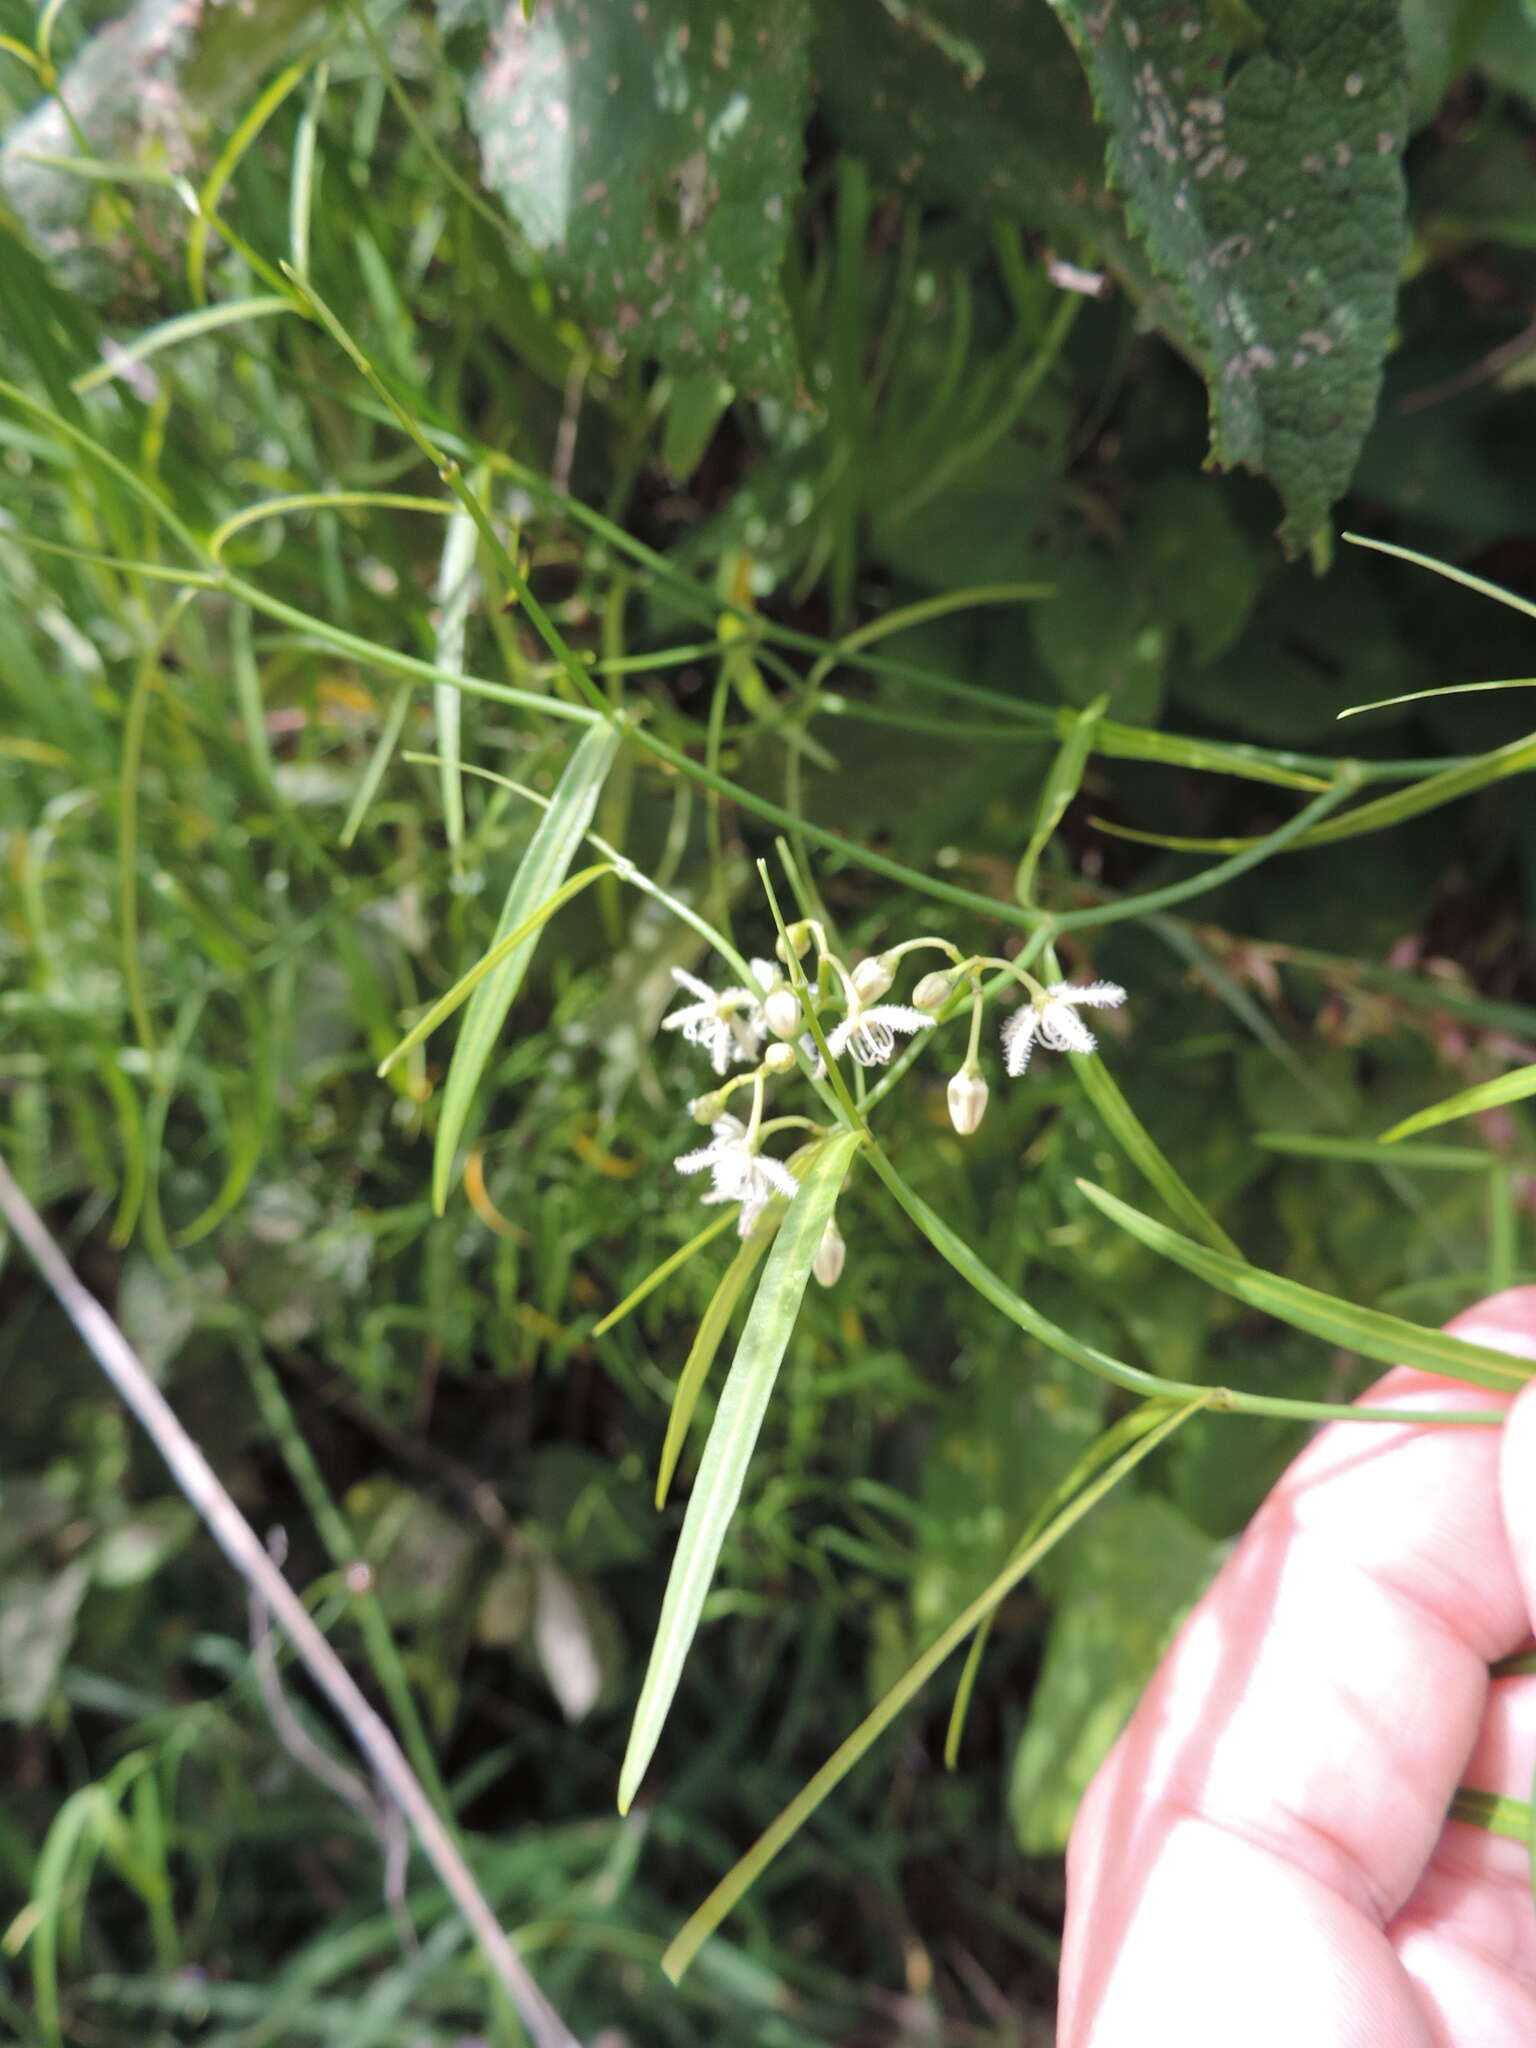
(651, 152)
(1258, 149)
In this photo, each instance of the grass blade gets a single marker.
(1512, 1087)
(723, 1469)
(1366, 1330)
(701, 1353)
(735, 1884)
(503, 950)
(550, 853)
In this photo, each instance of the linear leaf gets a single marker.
(701, 1353)
(550, 853)
(664, 1271)
(1375, 816)
(737, 1881)
(1434, 1158)
(1511, 1087)
(723, 1468)
(1062, 782)
(455, 594)
(1137, 1142)
(1365, 1330)
(488, 963)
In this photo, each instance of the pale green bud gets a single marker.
(705, 1108)
(780, 1059)
(934, 991)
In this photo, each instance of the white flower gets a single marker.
(729, 1023)
(1053, 1019)
(870, 1035)
(738, 1172)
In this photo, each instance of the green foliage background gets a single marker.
(742, 330)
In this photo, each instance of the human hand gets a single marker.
(1264, 1857)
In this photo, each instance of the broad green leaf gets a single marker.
(1365, 1330)
(543, 869)
(1130, 1576)
(1094, 635)
(974, 102)
(701, 1355)
(739, 1880)
(1259, 153)
(652, 155)
(723, 1468)
(147, 89)
(1512, 1087)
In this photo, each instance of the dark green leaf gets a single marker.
(1262, 168)
(652, 154)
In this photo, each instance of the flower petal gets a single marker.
(1063, 1029)
(1019, 1037)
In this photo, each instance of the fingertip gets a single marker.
(1505, 1322)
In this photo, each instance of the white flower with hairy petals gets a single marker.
(728, 1023)
(870, 1034)
(1053, 1019)
(738, 1172)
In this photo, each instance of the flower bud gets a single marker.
(872, 977)
(967, 1100)
(934, 991)
(779, 1058)
(830, 1253)
(799, 936)
(705, 1108)
(782, 1011)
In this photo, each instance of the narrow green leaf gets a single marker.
(1444, 690)
(550, 853)
(739, 1880)
(455, 589)
(723, 1468)
(1137, 1142)
(1365, 1330)
(1495, 1812)
(488, 963)
(1375, 816)
(1434, 1158)
(1511, 1087)
(664, 1271)
(1062, 782)
(1446, 569)
(701, 1354)
(184, 327)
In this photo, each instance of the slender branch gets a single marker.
(240, 1544)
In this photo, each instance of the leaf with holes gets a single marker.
(1258, 149)
(651, 153)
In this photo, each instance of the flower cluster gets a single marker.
(787, 1013)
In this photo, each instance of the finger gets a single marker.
(1467, 1937)
(1285, 1778)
